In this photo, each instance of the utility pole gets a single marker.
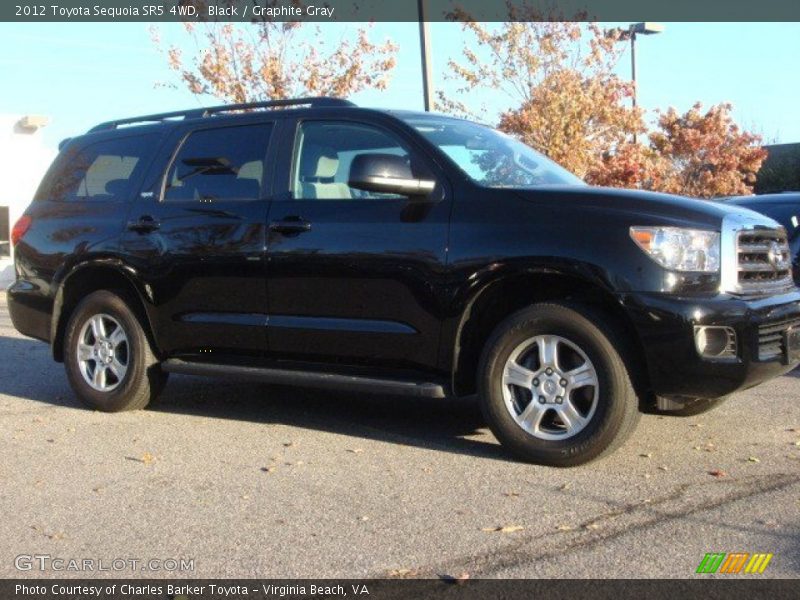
(630, 34)
(633, 63)
(425, 49)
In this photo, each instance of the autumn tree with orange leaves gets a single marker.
(706, 153)
(270, 60)
(570, 105)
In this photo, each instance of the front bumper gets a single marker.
(665, 326)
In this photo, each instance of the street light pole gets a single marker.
(425, 48)
(630, 33)
(633, 68)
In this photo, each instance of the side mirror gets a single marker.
(387, 174)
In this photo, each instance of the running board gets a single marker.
(306, 378)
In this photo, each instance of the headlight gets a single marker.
(679, 249)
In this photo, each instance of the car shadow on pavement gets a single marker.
(27, 371)
(454, 426)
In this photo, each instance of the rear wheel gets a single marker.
(109, 361)
(554, 388)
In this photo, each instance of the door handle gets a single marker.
(290, 225)
(145, 224)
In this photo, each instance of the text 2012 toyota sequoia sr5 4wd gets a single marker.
(328, 245)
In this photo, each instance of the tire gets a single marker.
(698, 406)
(607, 410)
(132, 376)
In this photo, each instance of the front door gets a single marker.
(351, 274)
(199, 240)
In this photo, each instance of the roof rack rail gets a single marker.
(198, 113)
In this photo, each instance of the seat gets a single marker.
(318, 168)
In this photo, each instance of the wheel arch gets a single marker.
(513, 290)
(87, 277)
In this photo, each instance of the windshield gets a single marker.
(489, 157)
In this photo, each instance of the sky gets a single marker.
(80, 74)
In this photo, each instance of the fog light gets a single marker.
(715, 341)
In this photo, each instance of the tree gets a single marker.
(569, 103)
(781, 170)
(708, 154)
(269, 60)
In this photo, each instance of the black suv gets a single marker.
(311, 242)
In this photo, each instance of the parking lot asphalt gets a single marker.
(260, 481)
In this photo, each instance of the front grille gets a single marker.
(770, 338)
(764, 261)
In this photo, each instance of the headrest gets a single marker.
(320, 162)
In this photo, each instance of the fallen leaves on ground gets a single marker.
(268, 469)
(718, 473)
(402, 573)
(145, 459)
(503, 529)
(753, 459)
(646, 455)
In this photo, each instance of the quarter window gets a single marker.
(102, 171)
(220, 164)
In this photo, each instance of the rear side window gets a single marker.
(101, 171)
(220, 164)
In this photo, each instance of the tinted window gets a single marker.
(219, 164)
(101, 171)
(326, 150)
(489, 157)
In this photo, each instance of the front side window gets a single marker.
(220, 164)
(325, 152)
(489, 157)
(99, 172)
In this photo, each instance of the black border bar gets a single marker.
(397, 10)
(752, 587)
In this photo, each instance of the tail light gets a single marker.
(20, 228)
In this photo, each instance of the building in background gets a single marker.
(781, 171)
(23, 160)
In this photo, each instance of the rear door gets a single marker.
(354, 277)
(197, 235)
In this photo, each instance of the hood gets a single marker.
(647, 207)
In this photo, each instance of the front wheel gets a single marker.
(110, 364)
(554, 388)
